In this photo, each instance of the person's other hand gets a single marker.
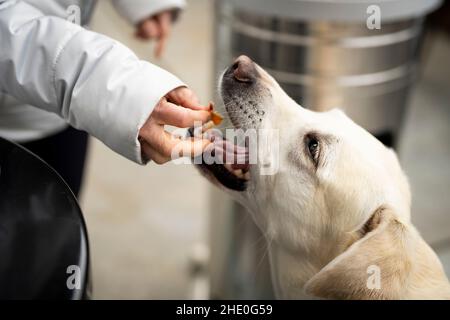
(179, 108)
(157, 28)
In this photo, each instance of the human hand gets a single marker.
(179, 108)
(156, 27)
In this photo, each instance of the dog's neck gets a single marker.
(291, 269)
(294, 261)
(290, 272)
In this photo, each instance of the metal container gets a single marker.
(325, 54)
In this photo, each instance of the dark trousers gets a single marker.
(66, 153)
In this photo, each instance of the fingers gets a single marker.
(157, 27)
(165, 23)
(187, 148)
(149, 29)
(186, 97)
(161, 146)
(166, 113)
(152, 154)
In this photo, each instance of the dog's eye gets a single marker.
(313, 147)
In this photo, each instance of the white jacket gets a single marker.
(92, 82)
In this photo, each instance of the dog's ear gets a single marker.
(379, 265)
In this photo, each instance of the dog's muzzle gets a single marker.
(244, 94)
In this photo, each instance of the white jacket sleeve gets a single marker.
(137, 10)
(95, 83)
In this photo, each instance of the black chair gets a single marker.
(44, 251)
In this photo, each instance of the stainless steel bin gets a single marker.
(324, 55)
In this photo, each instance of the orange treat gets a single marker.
(215, 117)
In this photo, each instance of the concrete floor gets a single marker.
(144, 221)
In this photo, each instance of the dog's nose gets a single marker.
(244, 69)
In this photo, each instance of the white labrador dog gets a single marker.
(336, 214)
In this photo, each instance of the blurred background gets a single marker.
(148, 224)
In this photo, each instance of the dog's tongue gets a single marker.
(229, 153)
(235, 156)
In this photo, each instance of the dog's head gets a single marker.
(334, 185)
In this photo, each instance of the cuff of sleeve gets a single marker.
(138, 10)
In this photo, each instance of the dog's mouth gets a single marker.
(226, 162)
(242, 94)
